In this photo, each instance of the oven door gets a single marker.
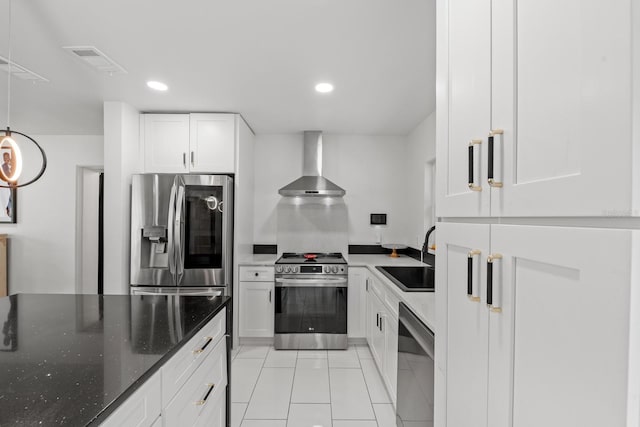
(311, 305)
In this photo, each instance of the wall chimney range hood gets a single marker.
(312, 183)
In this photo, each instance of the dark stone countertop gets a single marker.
(72, 359)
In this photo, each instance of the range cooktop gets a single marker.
(311, 258)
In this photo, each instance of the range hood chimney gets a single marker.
(312, 183)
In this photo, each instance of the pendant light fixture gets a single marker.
(12, 162)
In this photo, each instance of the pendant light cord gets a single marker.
(9, 73)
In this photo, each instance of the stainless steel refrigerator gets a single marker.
(181, 234)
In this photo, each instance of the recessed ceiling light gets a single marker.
(157, 85)
(324, 87)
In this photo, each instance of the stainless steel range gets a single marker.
(311, 301)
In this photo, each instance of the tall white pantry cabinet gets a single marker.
(538, 199)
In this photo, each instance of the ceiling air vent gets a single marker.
(19, 71)
(96, 59)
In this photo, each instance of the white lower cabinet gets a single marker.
(382, 332)
(197, 397)
(357, 302)
(256, 305)
(390, 330)
(189, 390)
(376, 339)
(537, 334)
(141, 409)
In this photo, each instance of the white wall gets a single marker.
(122, 158)
(42, 243)
(420, 157)
(370, 168)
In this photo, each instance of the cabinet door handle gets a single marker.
(184, 159)
(192, 157)
(378, 320)
(206, 396)
(490, 175)
(490, 261)
(470, 292)
(201, 349)
(269, 296)
(381, 319)
(472, 179)
(367, 284)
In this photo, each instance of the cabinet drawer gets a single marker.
(180, 367)
(215, 412)
(200, 391)
(141, 409)
(256, 274)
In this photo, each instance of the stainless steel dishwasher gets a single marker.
(415, 397)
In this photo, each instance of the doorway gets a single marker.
(90, 231)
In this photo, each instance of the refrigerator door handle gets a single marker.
(179, 233)
(170, 229)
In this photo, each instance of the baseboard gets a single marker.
(257, 341)
(269, 341)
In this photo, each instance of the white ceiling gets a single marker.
(260, 58)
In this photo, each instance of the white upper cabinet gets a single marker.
(554, 83)
(166, 143)
(184, 143)
(562, 95)
(464, 107)
(212, 147)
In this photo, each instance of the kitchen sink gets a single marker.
(411, 279)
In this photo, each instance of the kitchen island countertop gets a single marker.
(72, 359)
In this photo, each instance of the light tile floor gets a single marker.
(287, 388)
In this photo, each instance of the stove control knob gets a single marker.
(294, 269)
(287, 269)
(326, 268)
(278, 269)
(334, 269)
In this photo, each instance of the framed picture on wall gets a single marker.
(7, 195)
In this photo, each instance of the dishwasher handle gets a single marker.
(421, 333)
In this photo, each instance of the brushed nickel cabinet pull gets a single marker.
(184, 160)
(192, 159)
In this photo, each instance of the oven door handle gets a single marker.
(311, 283)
